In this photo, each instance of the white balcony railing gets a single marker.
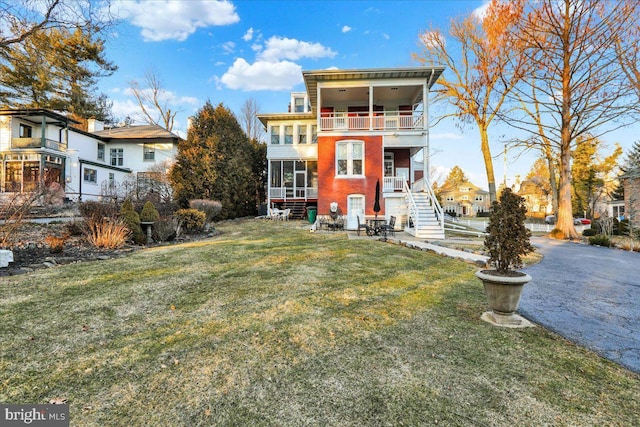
(389, 120)
(392, 183)
(291, 193)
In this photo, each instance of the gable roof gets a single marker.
(137, 132)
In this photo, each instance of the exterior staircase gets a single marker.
(426, 219)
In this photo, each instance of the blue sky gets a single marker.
(230, 51)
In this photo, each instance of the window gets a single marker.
(100, 151)
(90, 175)
(298, 105)
(275, 135)
(350, 158)
(465, 197)
(450, 199)
(314, 134)
(112, 180)
(479, 198)
(117, 157)
(388, 164)
(302, 134)
(288, 134)
(148, 152)
(25, 131)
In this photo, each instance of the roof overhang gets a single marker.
(39, 115)
(313, 78)
(264, 118)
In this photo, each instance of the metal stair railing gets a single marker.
(433, 201)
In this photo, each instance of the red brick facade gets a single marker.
(337, 189)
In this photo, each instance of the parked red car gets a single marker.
(581, 221)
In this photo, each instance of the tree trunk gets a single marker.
(552, 178)
(488, 162)
(565, 211)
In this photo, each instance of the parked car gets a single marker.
(581, 221)
(550, 219)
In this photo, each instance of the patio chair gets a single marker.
(362, 226)
(390, 227)
(285, 214)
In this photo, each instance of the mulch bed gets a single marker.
(30, 252)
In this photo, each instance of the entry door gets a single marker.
(355, 207)
(300, 183)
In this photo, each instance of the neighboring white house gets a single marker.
(39, 145)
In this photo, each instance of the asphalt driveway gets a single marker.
(588, 294)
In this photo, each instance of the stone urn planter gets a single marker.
(506, 242)
(503, 296)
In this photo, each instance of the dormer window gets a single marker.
(298, 105)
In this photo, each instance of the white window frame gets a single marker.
(302, 134)
(101, 151)
(275, 135)
(148, 152)
(90, 175)
(116, 157)
(288, 134)
(350, 144)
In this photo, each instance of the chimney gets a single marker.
(94, 125)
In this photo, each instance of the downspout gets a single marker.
(427, 162)
(80, 181)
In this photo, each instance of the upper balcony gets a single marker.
(32, 143)
(383, 121)
(394, 99)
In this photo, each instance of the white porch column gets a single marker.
(268, 184)
(426, 179)
(370, 107)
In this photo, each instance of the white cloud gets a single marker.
(175, 19)
(278, 48)
(248, 35)
(346, 29)
(481, 11)
(228, 47)
(385, 36)
(262, 75)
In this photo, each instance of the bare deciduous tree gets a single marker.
(476, 83)
(575, 81)
(24, 18)
(154, 101)
(249, 120)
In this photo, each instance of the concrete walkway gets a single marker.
(408, 240)
(589, 295)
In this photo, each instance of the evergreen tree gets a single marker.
(218, 162)
(56, 69)
(631, 162)
(455, 177)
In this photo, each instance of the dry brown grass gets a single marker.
(268, 324)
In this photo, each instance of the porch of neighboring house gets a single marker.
(24, 172)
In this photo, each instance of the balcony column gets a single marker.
(268, 185)
(43, 142)
(426, 179)
(370, 107)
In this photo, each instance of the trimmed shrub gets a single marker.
(132, 221)
(97, 210)
(165, 229)
(149, 213)
(587, 232)
(600, 240)
(107, 233)
(211, 208)
(556, 234)
(191, 220)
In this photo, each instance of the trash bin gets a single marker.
(311, 214)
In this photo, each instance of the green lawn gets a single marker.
(268, 324)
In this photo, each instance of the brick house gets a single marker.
(350, 130)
